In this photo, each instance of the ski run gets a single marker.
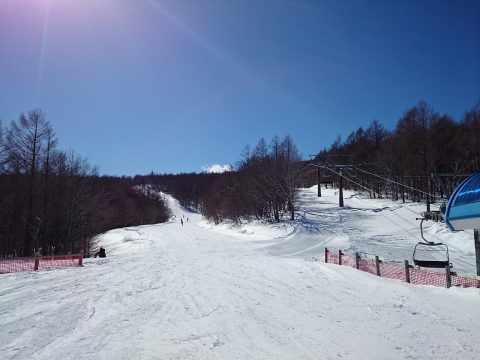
(249, 291)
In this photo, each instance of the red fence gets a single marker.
(404, 272)
(39, 263)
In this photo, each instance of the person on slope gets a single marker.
(181, 220)
(100, 253)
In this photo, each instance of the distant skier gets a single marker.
(100, 253)
(181, 220)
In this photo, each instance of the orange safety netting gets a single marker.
(39, 263)
(398, 271)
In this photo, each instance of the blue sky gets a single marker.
(175, 85)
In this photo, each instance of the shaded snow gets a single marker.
(206, 292)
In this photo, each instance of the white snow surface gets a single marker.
(369, 226)
(250, 291)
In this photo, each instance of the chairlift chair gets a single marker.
(430, 254)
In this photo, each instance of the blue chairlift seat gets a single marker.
(463, 208)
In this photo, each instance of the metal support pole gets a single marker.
(326, 255)
(340, 257)
(357, 261)
(428, 195)
(449, 278)
(431, 191)
(340, 192)
(319, 194)
(407, 271)
(476, 234)
(377, 265)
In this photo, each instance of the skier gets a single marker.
(181, 220)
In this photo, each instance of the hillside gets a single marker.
(243, 292)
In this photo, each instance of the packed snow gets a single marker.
(245, 291)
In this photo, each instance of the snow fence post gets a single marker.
(340, 257)
(407, 272)
(377, 265)
(37, 260)
(357, 261)
(340, 190)
(326, 255)
(476, 237)
(319, 189)
(449, 278)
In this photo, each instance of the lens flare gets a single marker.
(43, 46)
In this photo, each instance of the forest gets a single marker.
(423, 158)
(408, 162)
(423, 142)
(262, 186)
(53, 202)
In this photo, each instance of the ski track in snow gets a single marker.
(193, 292)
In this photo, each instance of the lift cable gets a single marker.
(352, 181)
(414, 236)
(396, 182)
(356, 183)
(329, 168)
(373, 174)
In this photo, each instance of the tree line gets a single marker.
(54, 202)
(400, 161)
(422, 143)
(189, 189)
(261, 187)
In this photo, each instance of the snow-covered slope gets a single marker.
(204, 292)
(372, 226)
(369, 226)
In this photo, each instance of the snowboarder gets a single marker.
(100, 253)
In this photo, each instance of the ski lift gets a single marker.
(463, 208)
(430, 254)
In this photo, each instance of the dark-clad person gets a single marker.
(100, 253)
